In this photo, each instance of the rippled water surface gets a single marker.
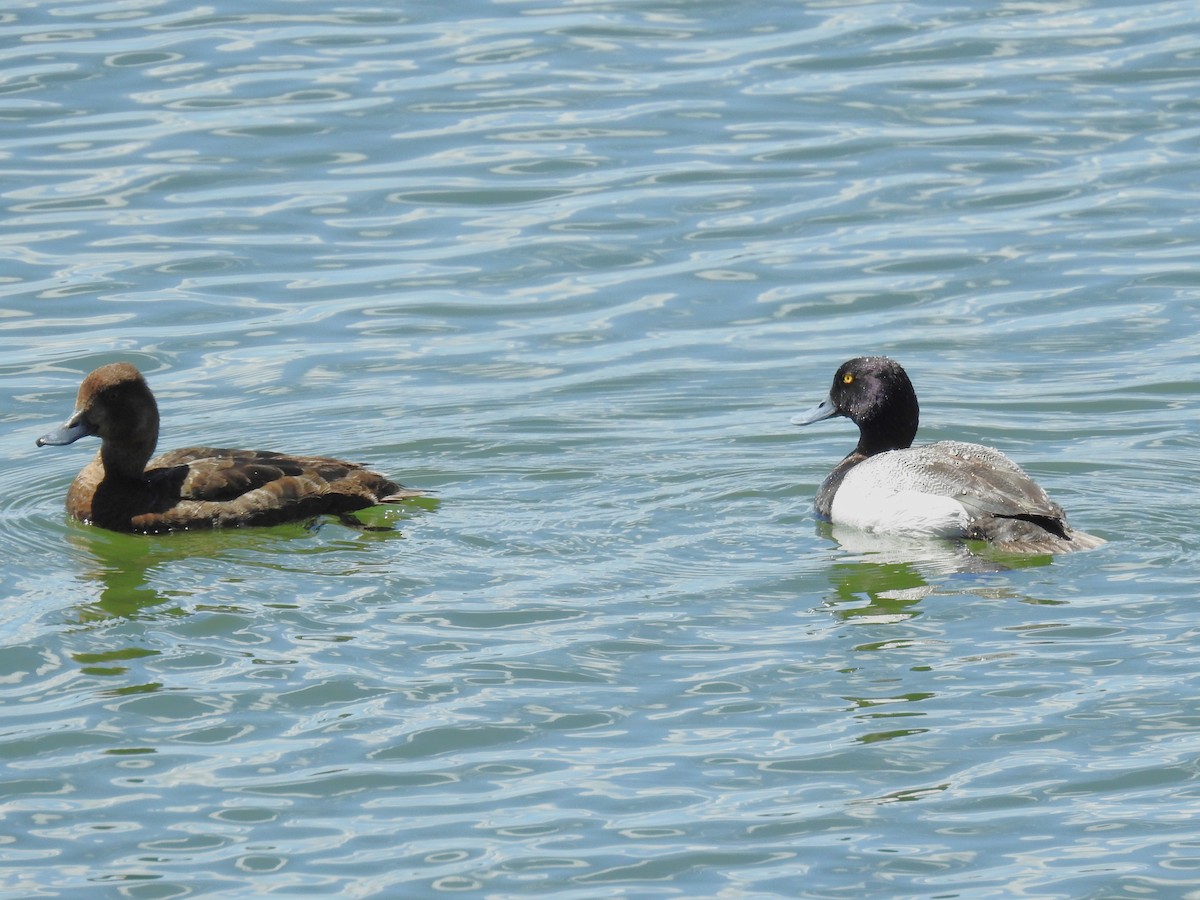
(573, 266)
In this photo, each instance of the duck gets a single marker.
(123, 489)
(949, 489)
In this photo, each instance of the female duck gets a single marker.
(948, 489)
(197, 487)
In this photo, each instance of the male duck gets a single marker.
(949, 489)
(198, 487)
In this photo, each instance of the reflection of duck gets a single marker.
(930, 557)
(948, 489)
(196, 487)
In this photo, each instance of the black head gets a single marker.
(875, 394)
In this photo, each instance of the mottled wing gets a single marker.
(265, 479)
(982, 479)
(216, 474)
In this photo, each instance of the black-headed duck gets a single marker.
(123, 489)
(949, 489)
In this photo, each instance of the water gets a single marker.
(573, 267)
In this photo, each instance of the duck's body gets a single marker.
(949, 489)
(123, 489)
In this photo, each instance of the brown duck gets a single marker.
(197, 487)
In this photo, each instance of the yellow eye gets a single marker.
(848, 378)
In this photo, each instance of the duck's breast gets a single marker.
(872, 506)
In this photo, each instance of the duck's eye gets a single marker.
(848, 378)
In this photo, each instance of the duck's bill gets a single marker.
(826, 409)
(75, 428)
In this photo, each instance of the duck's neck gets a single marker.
(870, 445)
(893, 429)
(127, 460)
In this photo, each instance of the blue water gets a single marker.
(572, 268)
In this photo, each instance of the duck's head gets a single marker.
(874, 392)
(114, 404)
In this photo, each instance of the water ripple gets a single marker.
(574, 266)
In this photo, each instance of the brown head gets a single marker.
(115, 405)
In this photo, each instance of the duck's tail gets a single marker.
(1033, 534)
